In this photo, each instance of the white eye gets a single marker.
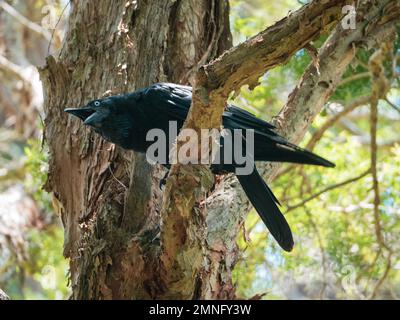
(96, 103)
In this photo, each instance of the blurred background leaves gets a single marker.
(31, 237)
(337, 255)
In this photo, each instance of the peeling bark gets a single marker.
(243, 64)
(304, 103)
(109, 199)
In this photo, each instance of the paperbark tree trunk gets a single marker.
(109, 199)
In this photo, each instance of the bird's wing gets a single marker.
(269, 145)
(175, 100)
(246, 119)
(170, 99)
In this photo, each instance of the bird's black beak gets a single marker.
(81, 113)
(88, 115)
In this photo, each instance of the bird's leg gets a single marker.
(163, 180)
(157, 236)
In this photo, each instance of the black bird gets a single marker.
(126, 119)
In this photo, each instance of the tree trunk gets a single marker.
(109, 199)
(124, 237)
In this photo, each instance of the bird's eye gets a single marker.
(96, 103)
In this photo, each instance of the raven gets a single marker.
(125, 120)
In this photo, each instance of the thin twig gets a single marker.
(55, 28)
(392, 104)
(25, 21)
(334, 186)
(383, 278)
(116, 179)
(284, 170)
(362, 64)
(330, 122)
(379, 89)
(375, 183)
(367, 268)
(354, 77)
(322, 251)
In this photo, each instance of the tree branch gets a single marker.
(334, 186)
(380, 87)
(228, 202)
(247, 62)
(242, 65)
(23, 20)
(12, 68)
(330, 122)
(381, 280)
(354, 77)
(392, 104)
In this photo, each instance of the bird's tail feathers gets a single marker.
(287, 152)
(265, 204)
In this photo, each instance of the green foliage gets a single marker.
(336, 254)
(48, 267)
(250, 17)
(42, 272)
(36, 165)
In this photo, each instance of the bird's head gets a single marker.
(94, 114)
(106, 117)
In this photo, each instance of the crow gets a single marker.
(125, 120)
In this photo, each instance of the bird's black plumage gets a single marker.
(126, 119)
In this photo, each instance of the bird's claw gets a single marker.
(163, 180)
(162, 183)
